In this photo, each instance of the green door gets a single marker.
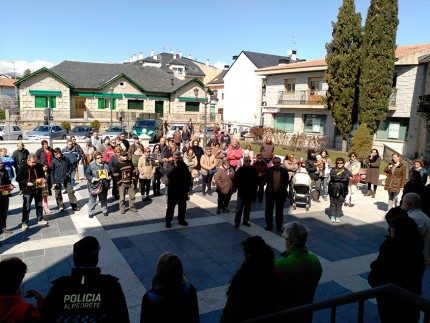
(159, 107)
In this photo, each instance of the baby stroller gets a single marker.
(301, 190)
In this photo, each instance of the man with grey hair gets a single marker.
(411, 203)
(301, 269)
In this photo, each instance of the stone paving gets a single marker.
(210, 247)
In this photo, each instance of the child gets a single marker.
(46, 190)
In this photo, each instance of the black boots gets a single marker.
(74, 207)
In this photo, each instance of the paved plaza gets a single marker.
(210, 247)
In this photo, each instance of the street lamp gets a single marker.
(205, 102)
(110, 104)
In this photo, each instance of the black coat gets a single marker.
(339, 180)
(179, 179)
(27, 174)
(61, 169)
(20, 158)
(312, 169)
(269, 180)
(246, 181)
(41, 157)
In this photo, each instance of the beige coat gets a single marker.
(145, 171)
(207, 163)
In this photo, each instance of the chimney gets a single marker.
(140, 55)
(172, 51)
(174, 56)
(131, 58)
(190, 57)
(235, 57)
(179, 55)
(207, 62)
(294, 55)
(134, 58)
(226, 67)
(152, 53)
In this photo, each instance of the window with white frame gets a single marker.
(315, 123)
(178, 70)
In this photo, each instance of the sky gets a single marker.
(44, 33)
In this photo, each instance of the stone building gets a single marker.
(82, 91)
(295, 97)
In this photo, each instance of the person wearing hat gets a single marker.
(125, 176)
(88, 155)
(86, 293)
(246, 181)
(179, 179)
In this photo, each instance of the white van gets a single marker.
(10, 132)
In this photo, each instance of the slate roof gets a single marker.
(191, 68)
(90, 76)
(261, 60)
(219, 79)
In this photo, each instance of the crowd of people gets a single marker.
(225, 167)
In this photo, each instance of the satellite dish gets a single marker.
(289, 52)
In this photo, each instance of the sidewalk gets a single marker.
(210, 247)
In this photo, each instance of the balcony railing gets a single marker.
(312, 97)
(424, 104)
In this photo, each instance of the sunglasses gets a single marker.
(98, 158)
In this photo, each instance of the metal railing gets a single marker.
(312, 97)
(392, 290)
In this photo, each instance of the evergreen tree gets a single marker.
(343, 59)
(26, 72)
(362, 142)
(377, 62)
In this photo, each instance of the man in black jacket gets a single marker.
(276, 192)
(246, 182)
(85, 295)
(61, 172)
(72, 153)
(19, 156)
(31, 179)
(179, 179)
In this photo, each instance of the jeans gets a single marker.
(70, 194)
(103, 202)
(26, 206)
(243, 204)
(72, 175)
(122, 190)
(324, 186)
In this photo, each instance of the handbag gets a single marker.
(355, 178)
(97, 189)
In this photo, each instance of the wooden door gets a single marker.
(80, 107)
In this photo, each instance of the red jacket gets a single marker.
(14, 310)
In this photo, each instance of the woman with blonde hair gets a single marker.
(171, 298)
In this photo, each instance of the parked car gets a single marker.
(150, 127)
(53, 131)
(81, 132)
(247, 131)
(10, 132)
(114, 131)
(173, 129)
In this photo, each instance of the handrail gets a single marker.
(391, 289)
(388, 152)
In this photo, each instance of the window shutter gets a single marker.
(41, 101)
(101, 103)
(113, 104)
(52, 102)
